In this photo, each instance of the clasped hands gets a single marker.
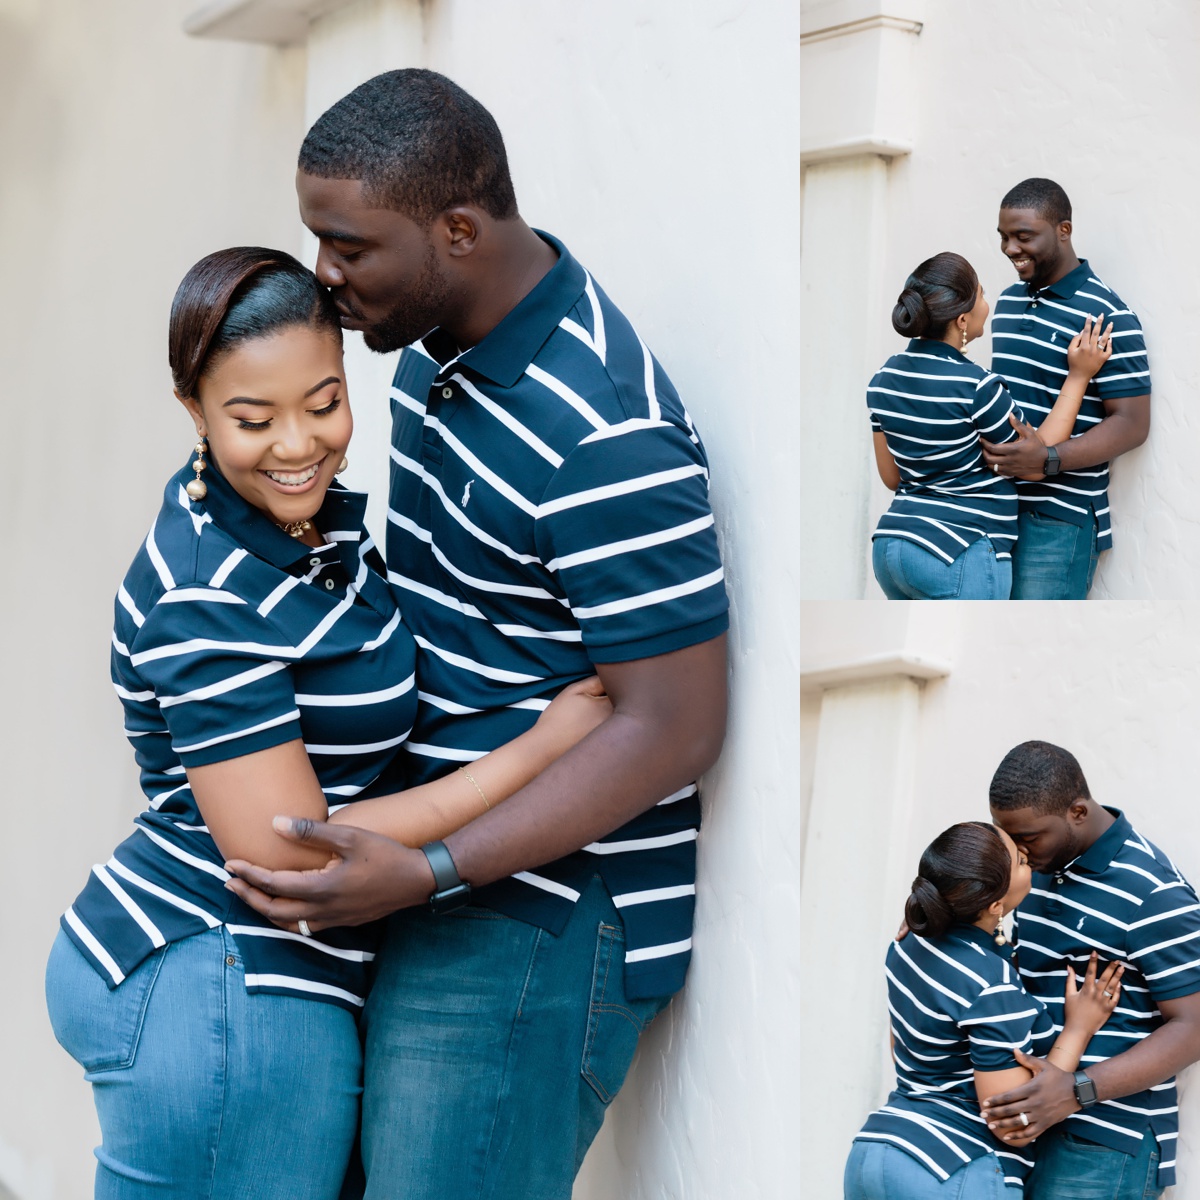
(369, 876)
(1022, 458)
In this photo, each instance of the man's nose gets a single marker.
(329, 275)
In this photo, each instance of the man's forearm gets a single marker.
(1155, 1059)
(1120, 431)
(666, 730)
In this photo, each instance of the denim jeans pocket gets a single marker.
(97, 1026)
(614, 1022)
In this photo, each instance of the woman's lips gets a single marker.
(294, 483)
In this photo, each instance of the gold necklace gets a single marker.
(296, 529)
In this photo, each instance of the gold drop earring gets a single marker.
(964, 345)
(198, 489)
(998, 937)
(342, 466)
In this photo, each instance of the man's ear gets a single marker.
(1064, 231)
(460, 228)
(1079, 809)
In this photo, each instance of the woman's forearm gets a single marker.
(434, 810)
(1068, 1049)
(1061, 419)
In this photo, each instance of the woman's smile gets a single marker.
(294, 482)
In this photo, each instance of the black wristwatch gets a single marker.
(1085, 1089)
(450, 891)
(1053, 462)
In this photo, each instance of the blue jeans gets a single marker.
(1053, 559)
(907, 571)
(202, 1090)
(881, 1171)
(1068, 1168)
(492, 1051)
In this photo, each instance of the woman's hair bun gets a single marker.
(927, 912)
(910, 317)
(939, 291)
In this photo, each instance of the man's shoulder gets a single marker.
(1144, 869)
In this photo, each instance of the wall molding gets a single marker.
(888, 148)
(901, 24)
(873, 668)
(275, 22)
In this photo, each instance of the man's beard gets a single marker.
(415, 314)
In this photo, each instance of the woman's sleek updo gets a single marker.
(235, 295)
(939, 291)
(962, 871)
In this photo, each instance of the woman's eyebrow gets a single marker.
(312, 391)
(248, 400)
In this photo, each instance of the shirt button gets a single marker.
(230, 961)
(314, 561)
(447, 392)
(329, 585)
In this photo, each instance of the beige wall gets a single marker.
(128, 151)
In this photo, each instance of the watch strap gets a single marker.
(1085, 1089)
(1053, 463)
(450, 891)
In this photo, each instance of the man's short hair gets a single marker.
(1040, 776)
(420, 144)
(1044, 196)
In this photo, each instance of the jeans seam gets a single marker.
(502, 1090)
(225, 975)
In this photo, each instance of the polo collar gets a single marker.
(937, 347)
(505, 354)
(1097, 857)
(1067, 286)
(985, 941)
(253, 530)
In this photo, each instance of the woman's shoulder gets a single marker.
(957, 961)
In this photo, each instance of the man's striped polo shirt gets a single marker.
(957, 1007)
(232, 637)
(1124, 898)
(549, 510)
(933, 404)
(1031, 330)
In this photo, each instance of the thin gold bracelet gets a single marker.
(476, 786)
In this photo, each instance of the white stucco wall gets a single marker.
(660, 141)
(1113, 683)
(1103, 98)
(128, 151)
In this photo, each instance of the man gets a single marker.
(1108, 1131)
(1063, 524)
(548, 517)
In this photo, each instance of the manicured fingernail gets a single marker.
(282, 824)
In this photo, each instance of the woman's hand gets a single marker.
(1090, 348)
(1086, 1008)
(572, 715)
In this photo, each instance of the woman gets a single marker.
(958, 1013)
(263, 668)
(950, 530)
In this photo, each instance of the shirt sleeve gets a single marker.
(627, 528)
(1164, 942)
(992, 407)
(1001, 1021)
(1127, 372)
(215, 672)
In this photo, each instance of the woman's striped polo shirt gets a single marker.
(232, 637)
(1031, 330)
(549, 510)
(933, 404)
(957, 1007)
(1124, 898)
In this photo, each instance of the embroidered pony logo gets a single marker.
(467, 493)
(1081, 921)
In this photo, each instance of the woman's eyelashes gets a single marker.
(331, 407)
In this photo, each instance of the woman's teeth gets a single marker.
(293, 478)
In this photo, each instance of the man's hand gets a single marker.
(369, 877)
(1046, 1099)
(1024, 458)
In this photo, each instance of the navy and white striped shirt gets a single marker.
(1124, 898)
(1031, 330)
(957, 1007)
(933, 404)
(232, 637)
(549, 510)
